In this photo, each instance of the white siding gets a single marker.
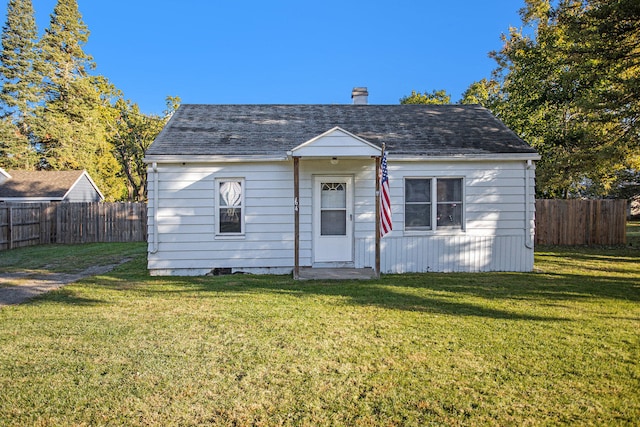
(83, 191)
(494, 239)
(187, 242)
(495, 221)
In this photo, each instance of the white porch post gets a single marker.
(296, 216)
(377, 178)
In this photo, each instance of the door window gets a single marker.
(333, 209)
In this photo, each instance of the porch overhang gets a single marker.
(338, 143)
(334, 144)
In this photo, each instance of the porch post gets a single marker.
(377, 267)
(296, 217)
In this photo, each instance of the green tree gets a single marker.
(14, 146)
(131, 134)
(20, 84)
(71, 126)
(608, 61)
(483, 92)
(555, 88)
(435, 97)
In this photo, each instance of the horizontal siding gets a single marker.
(83, 191)
(494, 206)
(186, 218)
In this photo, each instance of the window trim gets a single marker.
(242, 207)
(434, 206)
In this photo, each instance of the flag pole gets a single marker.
(377, 267)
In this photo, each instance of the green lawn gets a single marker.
(560, 345)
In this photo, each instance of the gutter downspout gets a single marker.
(154, 246)
(528, 240)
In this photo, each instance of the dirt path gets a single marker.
(32, 285)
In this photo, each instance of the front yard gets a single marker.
(560, 345)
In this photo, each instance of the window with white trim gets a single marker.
(432, 203)
(230, 206)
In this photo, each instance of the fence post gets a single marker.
(10, 227)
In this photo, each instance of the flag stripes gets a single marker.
(385, 200)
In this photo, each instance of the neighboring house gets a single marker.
(272, 188)
(4, 175)
(20, 186)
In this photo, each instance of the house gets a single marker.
(277, 188)
(4, 175)
(20, 186)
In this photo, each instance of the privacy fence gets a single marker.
(28, 224)
(581, 222)
(558, 222)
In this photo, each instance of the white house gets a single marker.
(279, 188)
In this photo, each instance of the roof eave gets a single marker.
(31, 199)
(201, 158)
(464, 157)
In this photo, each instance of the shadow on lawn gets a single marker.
(378, 293)
(429, 292)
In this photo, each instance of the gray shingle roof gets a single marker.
(41, 184)
(414, 130)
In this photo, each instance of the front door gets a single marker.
(333, 219)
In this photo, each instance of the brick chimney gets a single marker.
(360, 96)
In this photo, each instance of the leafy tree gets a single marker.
(131, 134)
(561, 94)
(484, 92)
(608, 61)
(20, 81)
(435, 97)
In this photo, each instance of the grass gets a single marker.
(560, 345)
(66, 258)
(633, 233)
(41, 262)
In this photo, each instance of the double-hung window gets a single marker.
(229, 207)
(432, 203)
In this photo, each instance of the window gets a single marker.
(230, 205)
(430, 201)
(333, 209)
(417, 204)
(449, 212)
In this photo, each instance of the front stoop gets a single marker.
(308, 273)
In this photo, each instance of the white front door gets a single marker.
(333, 219)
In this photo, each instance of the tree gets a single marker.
(20, 84)
(131, 134)
(71, 125)
(20, 81)
(484, 92)
(14, 146)
(435, 97)
(560, 94)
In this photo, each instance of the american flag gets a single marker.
(385, 199)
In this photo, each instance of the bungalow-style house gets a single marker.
(20, 186)
(284, 188)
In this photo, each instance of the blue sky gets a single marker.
(289, 52)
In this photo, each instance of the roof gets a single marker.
(273, 130)
(52, 185)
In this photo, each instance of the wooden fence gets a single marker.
(558, 222)
(581, 222)
(28, 224)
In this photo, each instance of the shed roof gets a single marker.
(39, 184)
(272, 130)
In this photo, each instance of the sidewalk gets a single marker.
(37, 284)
